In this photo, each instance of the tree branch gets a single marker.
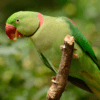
(58, 86)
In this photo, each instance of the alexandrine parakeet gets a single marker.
(47, 34)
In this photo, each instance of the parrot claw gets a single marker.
(54, 80)
(62, 47)
(75, 49)
(75, 56)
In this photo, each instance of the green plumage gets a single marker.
(84, 72)
(82, 41)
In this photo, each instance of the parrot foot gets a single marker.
(75, 56)
(54, 80)
(62, 47)
(75, 49)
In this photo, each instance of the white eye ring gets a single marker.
(17, 20)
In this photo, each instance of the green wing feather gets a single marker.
(82, 41)
(79, 83)
(47, 63)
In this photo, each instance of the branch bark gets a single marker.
(58, 86)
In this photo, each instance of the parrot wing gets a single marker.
(82, 41)
(79, 83)
(47, 63)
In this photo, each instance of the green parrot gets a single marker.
(47, 34)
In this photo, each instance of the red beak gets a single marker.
(11, 32)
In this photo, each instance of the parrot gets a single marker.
(47, 34)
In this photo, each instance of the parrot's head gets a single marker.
(22, 23)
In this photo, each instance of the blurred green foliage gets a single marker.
(23, 76)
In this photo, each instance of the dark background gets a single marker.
(23, 76)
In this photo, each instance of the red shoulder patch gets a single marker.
(73, 22)
(40, 18)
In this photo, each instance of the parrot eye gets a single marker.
(17, 20)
